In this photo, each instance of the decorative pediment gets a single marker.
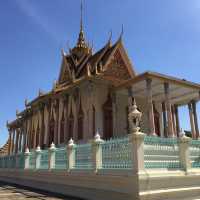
(118, 67)
(65, 72)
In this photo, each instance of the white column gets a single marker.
(114, 108)
(150, 107)
(20, 141)
(13, 142)
(17, 141)
(164, 119)
(10, 142)
(194, 106)
(193, 131)
(177, 120)
(168, 109)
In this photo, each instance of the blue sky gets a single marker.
(160, 36)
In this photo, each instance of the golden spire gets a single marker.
(81, 46)
(81, 43)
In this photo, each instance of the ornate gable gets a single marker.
(118, 67)
(64, 76)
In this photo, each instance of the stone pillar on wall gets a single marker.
(17, 140)
(10, 142)
(177, 120)
(168, 109)
(114, 108)
(192, 123)
(24, 136)
(130, 102)
(56, 121)
(194, 103)
(65, 110)
(13, 141)
(20, 141)
(164, 119)
(61, 112)
(150, 107)
(46, 123)
(173, 119)
(41, 125)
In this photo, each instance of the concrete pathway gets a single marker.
(12, 192)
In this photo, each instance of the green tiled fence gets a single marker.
(83, 156)
(114, 154)
(195, 153)
(161, 153)
(61, 158)
(20, 161)
(32, 160)
(44, 161)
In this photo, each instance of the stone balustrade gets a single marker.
(115, 154)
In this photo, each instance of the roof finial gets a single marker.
(81, 45)
(81, 23)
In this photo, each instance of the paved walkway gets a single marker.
(11, 192)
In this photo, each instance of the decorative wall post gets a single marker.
(97, 152)
(27, 158)
(71, 154)
(137, 139)
(52, 152)
(184, 151)
(38, 158)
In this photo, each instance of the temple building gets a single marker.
(93, 93)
